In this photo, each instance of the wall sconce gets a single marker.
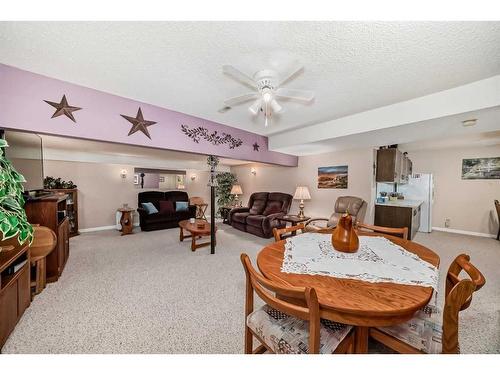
(123, 173)
(253, 171)
(193, 177)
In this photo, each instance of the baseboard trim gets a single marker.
(466, 232)
(98, 229)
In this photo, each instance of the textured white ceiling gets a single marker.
(352, 66)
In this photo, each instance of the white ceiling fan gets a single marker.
(266, 85)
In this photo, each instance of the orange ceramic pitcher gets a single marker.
(344, 237)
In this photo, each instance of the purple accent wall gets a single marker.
(22, 107)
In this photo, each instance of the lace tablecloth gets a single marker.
(377, 260)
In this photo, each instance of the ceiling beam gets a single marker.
(471, 97)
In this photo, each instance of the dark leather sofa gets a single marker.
(262, 213)
(158, 220)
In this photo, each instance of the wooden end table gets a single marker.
(196, 232)
(224, 212)
(293, 220)
(126, 220)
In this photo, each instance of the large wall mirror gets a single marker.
(25, 152)
(162, 179)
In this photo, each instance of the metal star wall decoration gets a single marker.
(256, 146)
(139, 123)
(63, 108)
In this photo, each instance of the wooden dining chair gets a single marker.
(428, 332)
(284, 327)
(279, 232)
(497, 206)
(399, 232)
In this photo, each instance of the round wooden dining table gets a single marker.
(359, 303)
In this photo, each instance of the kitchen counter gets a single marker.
(401, 203)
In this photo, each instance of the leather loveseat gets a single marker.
(262, 213)
(161, 220)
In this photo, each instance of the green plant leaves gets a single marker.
(13, 220)
(225, 181)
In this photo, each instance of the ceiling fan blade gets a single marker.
(241, 98)
(255, 107)
(238, 75)
(275, 106)
(302, 95)
(294, 68)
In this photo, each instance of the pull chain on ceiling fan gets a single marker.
(266, 86)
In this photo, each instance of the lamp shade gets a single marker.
(236, 190)
(302, 192)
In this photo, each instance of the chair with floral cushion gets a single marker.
(431, 330)
(283, 327)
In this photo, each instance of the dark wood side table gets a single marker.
(126, 220)
(224, 212)
(293, 220)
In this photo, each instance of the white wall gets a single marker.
(467, 203)
(101, 189)
(286, 179)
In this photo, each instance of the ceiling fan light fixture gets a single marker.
(266, 89)
(255, 107)
(267, 95)
(276, 107)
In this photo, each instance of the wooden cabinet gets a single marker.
(398, 217)
(62, 244)
(393, 166)
(389, 163)
(51, 212)
(71, 209)
(15, 294)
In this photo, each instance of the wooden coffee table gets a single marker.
(196, 232)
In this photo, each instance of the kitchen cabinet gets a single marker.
(393, 166)
(399, 216)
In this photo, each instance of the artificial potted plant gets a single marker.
(13, 220)
(225, 181)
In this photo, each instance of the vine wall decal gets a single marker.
(214, 138)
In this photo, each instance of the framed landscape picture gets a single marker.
(481, 169)
(332, 177)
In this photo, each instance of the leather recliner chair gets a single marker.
(262, 214)
(354, 205)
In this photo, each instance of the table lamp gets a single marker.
(236, 190)
(301, 192)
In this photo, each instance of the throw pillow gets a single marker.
(149, 207)
(273, 207)
(181, 206)
(166, 207)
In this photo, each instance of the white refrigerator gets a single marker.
(420, 187)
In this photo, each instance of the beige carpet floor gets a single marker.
(148, 293)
